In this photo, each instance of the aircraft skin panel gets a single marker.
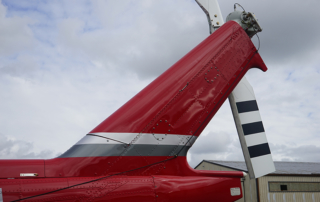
(124, 188)
(177, 102)
(12, 168)
(130, 165)
(190, 184)
(168, 189)
(148, 137)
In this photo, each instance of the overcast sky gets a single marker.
(67, 65)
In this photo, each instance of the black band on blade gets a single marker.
(252, 128)
(247, 106)
(259, 150)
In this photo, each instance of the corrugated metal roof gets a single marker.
(289, 168)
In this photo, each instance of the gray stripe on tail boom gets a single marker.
(96, 150)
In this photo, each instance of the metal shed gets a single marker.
(291, 182)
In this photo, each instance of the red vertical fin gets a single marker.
(177, 102)
(164, 119)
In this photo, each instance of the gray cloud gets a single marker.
(145, 44)
(16, 35)
(289, 33)
(17, 149)
(303, 153)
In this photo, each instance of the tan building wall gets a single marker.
(266, 196)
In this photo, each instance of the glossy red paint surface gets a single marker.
(170, 188)
(102, 166)
(115, 188)
(211, 70)
(122, 188)
(180, 101)
(13, 168)
(173, 178)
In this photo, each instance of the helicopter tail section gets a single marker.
(163, 120)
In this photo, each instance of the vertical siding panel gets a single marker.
(211, 166)
(299, 197)
(289, 197)
(206, 166)
(263, 186)
(309, 197)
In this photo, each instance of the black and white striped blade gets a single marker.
(251, 132)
